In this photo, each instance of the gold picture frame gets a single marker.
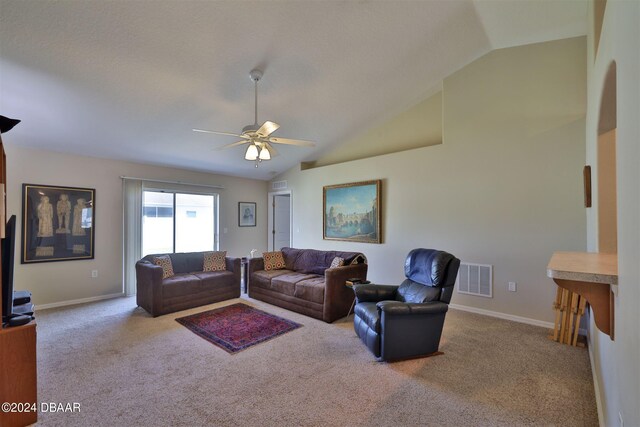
(351, 212)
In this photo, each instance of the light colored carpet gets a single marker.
(126, 368)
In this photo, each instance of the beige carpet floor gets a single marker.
(126, 368)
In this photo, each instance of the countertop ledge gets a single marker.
(584, 267)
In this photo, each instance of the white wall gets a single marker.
(616, 363)
(504, 188)
(54, 282)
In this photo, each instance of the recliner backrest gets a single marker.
(430, 274)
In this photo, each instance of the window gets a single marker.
(178, 222)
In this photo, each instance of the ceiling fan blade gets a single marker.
(233, 144)
(220, 133)
(287, 141)
(272, 150)
(267, 128)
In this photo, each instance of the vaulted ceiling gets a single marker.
(129, 79)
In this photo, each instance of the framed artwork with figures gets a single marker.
(246, 214)
(58, 223)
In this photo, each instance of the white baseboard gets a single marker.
(596, 383)
(512, 317)
(78, 301)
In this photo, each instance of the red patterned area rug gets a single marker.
(237, 327)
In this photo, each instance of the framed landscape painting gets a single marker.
(58, 223)
(352, 212)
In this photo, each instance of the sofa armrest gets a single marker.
(374, 293)
(398, 308)
(234, 265)
(255, 264)
(149, 287)
(337, 296)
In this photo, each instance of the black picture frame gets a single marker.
(246, 214)
(58, 223)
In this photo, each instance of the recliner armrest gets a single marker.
(374, 293)
(398, 308)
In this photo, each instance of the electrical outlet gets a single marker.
(512, 286)
(94, 273)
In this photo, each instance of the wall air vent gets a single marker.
(475, 279)
(279, 185)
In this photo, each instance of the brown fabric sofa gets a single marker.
(189, 287)
(308, 285)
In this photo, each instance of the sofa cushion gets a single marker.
(273, 260)
(310, 290)
(314, 261)
(179, 285)
(164, 261)
(285, 283)
(215, 279)
(214, 261)
(262, 278)
(187, 262)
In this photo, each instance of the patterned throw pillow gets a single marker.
(359, 259)
(273, 260)
(164, 261)
(215, 261)
(337, 262)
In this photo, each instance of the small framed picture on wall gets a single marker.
(246, 214)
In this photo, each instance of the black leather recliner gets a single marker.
(399, 322)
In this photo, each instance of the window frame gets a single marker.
(173, 192)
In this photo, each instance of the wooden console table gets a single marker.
(591, 276)
(18, 373)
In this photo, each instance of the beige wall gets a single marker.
(504, 188)
(615, 363)
(607, 194)
(55, 282)
(420, 126)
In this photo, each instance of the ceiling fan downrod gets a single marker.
(255, 76)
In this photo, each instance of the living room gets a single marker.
(486, 164)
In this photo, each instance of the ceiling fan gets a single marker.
(258, 137)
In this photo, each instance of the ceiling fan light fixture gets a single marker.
(265, 154)
(251, 153)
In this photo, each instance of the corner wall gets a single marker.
(55, 282)
(504, 188)
(615, 363)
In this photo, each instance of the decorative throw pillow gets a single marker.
(215, 261)
(273, 260)
(164, 261)
(337, 262)
(359, 259)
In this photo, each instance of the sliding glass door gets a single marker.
(178, 222)
(195, 221)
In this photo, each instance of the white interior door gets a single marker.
(281, 221)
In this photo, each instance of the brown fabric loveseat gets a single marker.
(307, 285)
(189, 287)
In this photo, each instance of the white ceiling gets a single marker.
(129, 79)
